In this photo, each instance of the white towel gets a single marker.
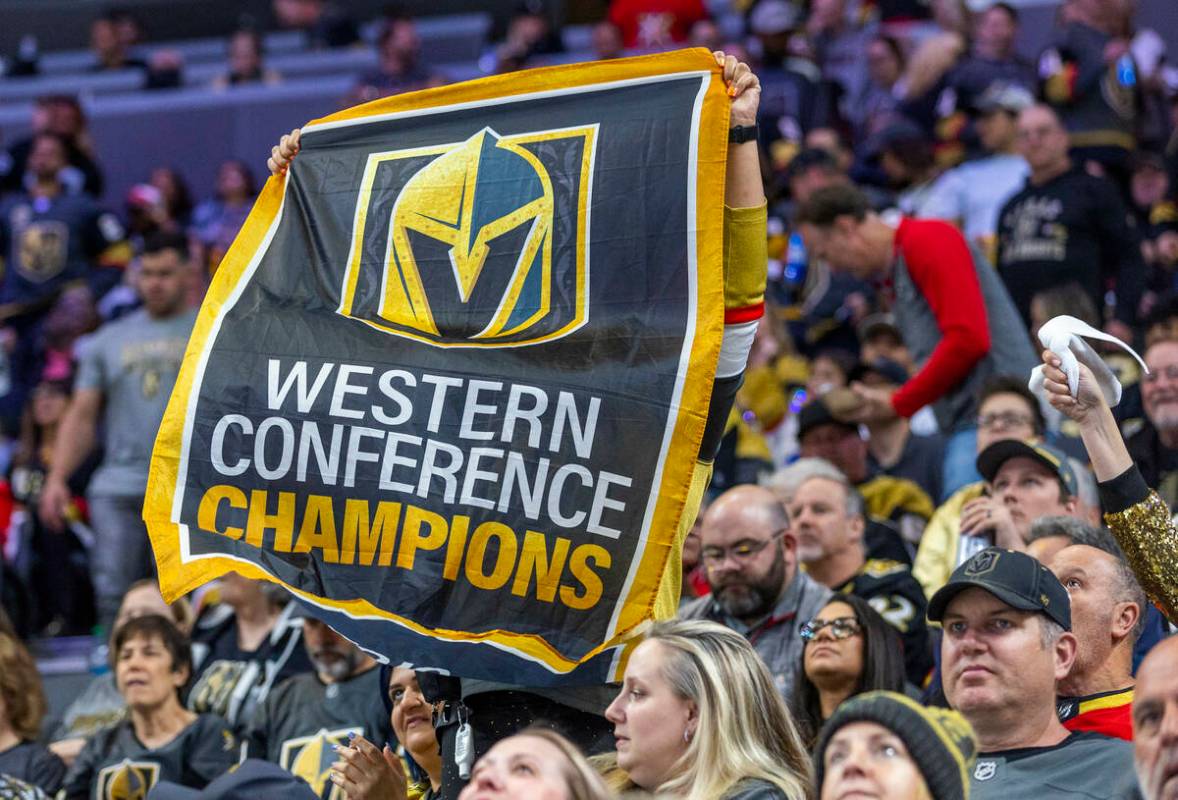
(1061, 336)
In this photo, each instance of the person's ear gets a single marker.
(1126, 615)
(1065, 654)
(857, 527)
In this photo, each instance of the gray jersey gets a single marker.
(134, 361)
(1084, 765)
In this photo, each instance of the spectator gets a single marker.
(148, 214)
(100, 705)
(61, 115)
(1067, 298)
(829, 369)
(1108, 615)
(58, 574)
(124, 381)
(302, 718)
(1137, 516)
(850, 649)
(892, 447)
(174, 190)
(1066, 225)
(607, 41)
(1155, 719)
(401, 68)
(1089, 78)
(111, 51)
(242, 647)
(839, 43)
(827, 518)
(952, 311)
(757, 588)
(1006, 410)
(246, 61)
(885, 745)
(1154, 448)
(794, 98)
(159, 739)
(971, 195)
(52, 237)
(365, 770)
(907, 160)
(897, 501)
(1049, 535)
(655, 24)
(529, 35)
(880, 339)
(877, 105)
(1007, 641)
(22, 708)
(536, 762)
(216, 221)
(325, 25)
(697, 717)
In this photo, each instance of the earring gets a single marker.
(687, 735)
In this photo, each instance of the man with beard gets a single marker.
(1154, 448)
(751, 558)
(301, 719)
(1155, 723)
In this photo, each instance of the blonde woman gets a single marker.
(699, 718)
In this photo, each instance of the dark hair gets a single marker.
(1010, 10)
(883, 667)
(1164, 310)
(247, 174)
(811, 158)
(159, 241)
(153, 626)
(910, 146)
(1009, 384)
(845, 360)
(829, 203)
(180, 206)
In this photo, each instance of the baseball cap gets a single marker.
(1003, 97)
(939, 740)
(993, 457)
(886, 368)
(1015, 578)
(875, 324)
(817, 413)
(771, 17)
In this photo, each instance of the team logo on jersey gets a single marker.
(311, 757)
(983, 563)
(475, 243)
(127, 780)
(43, 247)
(985, 770)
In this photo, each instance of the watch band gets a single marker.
(739, 134)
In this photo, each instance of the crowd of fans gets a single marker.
(913, 577)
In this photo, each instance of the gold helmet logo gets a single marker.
(482, 242)
(311, 757)
(127, 780)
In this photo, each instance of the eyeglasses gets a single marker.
(840, 628)
(1154, 375)
(741, 552)
(1007, 419)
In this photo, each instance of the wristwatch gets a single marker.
(739, 134)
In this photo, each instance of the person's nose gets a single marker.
(1169, 730)
(825, 634)
(614, 712)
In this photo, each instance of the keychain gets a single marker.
(463, 744)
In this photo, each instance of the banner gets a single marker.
(449, 384)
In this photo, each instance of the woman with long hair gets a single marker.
(22, 710)
(850, 649)
(699, 717)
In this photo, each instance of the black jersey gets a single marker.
(115, 765)
(32, 763)
(302, 718)
(892, 591)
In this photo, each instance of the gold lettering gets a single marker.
(382, 532)
(411, 538)
(281, 522)
(478, 551)
(534, 559)
(210, 504)
(459, 528)
(318, 529)
(590, 581)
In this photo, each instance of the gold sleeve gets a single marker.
(1147, 534)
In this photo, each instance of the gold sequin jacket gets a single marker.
(1143, 526)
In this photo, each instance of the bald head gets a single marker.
(1043, 142)
(1155, 722)
(748, 551)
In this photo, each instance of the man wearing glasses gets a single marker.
(1154, 448)
(751, 560)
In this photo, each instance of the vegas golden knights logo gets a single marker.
(311, 757)
(479, 243)
(127, 780)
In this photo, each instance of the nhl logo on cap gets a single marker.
(983, 562)
(985, 770)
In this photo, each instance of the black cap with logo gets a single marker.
(1015, 578)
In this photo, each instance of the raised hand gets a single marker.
(744, 87)
(282, 153)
